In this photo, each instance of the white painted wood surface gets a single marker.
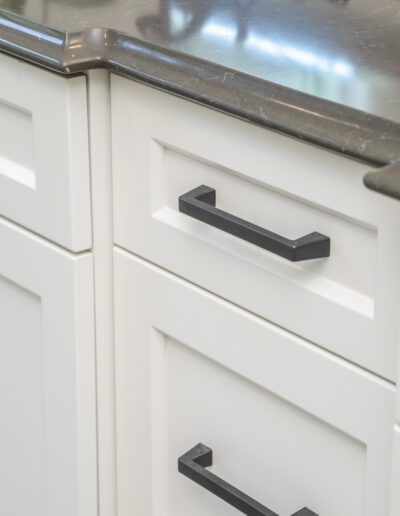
(100, 137)
(44, 153)
(290, 424)
(395, 484)
(47, 379)
(164, 146)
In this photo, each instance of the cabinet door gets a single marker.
(289, 424)
(44, 153)
(47, 397)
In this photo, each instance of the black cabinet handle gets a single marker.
(193, 465)
(200, 204)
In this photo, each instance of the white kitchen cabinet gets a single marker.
(291, 425)
(47, 379)
(164, 147)
(287, 371)
(44, 153)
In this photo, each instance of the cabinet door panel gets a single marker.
(44, 153)
(290, 424)
(47, 397)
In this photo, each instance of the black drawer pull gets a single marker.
(193, 465)
(200, 204)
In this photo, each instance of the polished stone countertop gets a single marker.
(326, 71)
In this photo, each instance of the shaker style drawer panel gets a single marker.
(291, 426)
(44, 156)
(279, 227)
(47, 396)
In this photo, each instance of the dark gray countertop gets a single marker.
(322, 70)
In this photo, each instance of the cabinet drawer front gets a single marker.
(290, 425)
(164, 147)
(47, 391)
(44, 156)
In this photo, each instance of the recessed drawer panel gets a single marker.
(44, 156)
(289, 425)
(269, 200)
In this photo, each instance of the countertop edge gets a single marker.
(339, 128)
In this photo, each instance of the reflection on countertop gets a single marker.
(346, 51)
